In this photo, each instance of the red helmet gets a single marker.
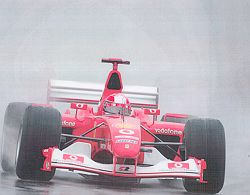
(117, 103)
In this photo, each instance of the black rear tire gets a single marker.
(205, 139)
(41, 129)
(13, 119)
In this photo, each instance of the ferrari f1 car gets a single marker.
(120, 140)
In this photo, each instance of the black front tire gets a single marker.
(41, 129)
(205, 139)
(13, 119)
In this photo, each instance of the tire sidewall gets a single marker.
(11, 128)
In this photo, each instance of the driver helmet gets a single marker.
(117, 103)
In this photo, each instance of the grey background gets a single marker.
(196, 52)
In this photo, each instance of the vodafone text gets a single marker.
(68, 124)
(168, 131)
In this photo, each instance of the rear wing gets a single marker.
(60, 91)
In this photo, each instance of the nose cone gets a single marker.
(127, 146)
(126, 136)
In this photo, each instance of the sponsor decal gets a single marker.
(73, 158)
(126, 141)
(125, 126)
(123, 168)
(126, 137)
(126, 131)
(152, 111)
(68, 124)
(178, 165)
(168, 131)
(80, 105)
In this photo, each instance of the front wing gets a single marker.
(191, 168)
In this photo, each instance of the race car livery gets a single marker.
(115, 136)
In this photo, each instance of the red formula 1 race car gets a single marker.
(121, 140)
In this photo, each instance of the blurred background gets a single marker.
(196, 52)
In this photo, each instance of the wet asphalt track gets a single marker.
(73, 184)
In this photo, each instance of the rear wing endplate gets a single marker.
(61, 91)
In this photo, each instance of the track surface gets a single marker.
(67, 183)
(64, 183)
